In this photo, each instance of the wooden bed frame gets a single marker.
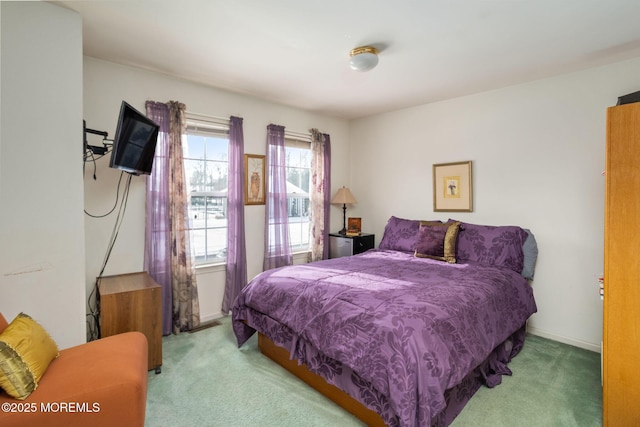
(281, 357)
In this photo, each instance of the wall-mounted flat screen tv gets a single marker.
(134, 143)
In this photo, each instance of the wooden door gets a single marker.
(621, 334)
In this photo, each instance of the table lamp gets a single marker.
(343, 197)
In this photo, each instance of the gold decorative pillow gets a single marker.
(437, 240)
(26, 350)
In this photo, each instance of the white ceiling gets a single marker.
(296, 52)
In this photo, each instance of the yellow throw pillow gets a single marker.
(26, 350)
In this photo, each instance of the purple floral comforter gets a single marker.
(394, 331)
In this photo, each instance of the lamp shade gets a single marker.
(363, 58)
(343, 197)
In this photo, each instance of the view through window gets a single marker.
(206, 162)
(298, 158)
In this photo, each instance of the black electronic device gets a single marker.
(629, 98)
(134, 143)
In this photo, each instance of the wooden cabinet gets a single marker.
(133, 302)
(621, 333)
(343, 245)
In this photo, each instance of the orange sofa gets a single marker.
(100, 383)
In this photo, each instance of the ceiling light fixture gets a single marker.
(363, 58)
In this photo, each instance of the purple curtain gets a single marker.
(277, 251)
(167, 255)
(320, 194)
(236, 277)
(157, 248)
(186, 306)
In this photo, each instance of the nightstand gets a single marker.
(341, 245)
(133, 302)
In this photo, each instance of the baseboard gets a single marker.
(204, 325)
(570, 341)
(211, 317)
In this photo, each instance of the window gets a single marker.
(298, 158)
(206, 163)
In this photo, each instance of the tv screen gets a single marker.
(134, 143)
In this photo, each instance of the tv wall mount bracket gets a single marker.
(95, 149)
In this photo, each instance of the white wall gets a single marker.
(538, 152)
(41, 191)
(105, 86)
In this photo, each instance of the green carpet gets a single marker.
(207, 381)
(553, 384)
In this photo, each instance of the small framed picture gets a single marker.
(452, 187)
(354, 226)
(254, 179)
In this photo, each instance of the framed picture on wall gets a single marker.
(254, 179)
(452, 187)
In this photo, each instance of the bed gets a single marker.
(405, 334)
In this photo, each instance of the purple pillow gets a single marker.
(400, 234)
(437, 241)
(431, 240)
(494, 245)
